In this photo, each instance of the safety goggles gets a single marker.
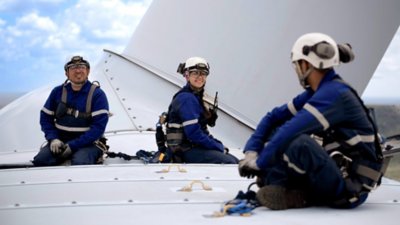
(198, 73)
(77, 66)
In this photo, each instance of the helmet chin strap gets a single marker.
(303, 76)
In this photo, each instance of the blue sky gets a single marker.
(36, 36)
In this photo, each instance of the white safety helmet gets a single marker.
(318, 49)
(194, 63)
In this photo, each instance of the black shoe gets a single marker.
(278, 198)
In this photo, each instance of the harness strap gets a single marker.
(77, 113)
(64, 94)
(386, 161)
(368, 172)
(174, 136)
(378, 147)
(90, 97)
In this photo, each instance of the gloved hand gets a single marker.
(248, 166)
(56, 146)
(67, 152)
(250, 155)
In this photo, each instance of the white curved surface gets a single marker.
(247, 44)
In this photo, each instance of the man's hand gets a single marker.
(67, 152)
(248, 166)
(250, 155)
(56, 146)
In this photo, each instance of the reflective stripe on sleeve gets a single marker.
(314, 111)
(48, 112)
(102, 111)
(291, 108)
(190, 122)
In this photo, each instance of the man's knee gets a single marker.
(40, 161)
(44, 158)
(303, 144)
(86, 156)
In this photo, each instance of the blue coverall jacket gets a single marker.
(290, 157)
(187, 111)
(332, 112)
(75, 132)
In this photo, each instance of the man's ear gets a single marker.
(306, 65)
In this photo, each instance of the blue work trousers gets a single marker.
(305, 165)
(199, 155)
(82, 156)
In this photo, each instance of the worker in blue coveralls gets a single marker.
(73, 119)
(188, 117)
(322, 147)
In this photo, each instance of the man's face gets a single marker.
(78, 73)
(197, 78)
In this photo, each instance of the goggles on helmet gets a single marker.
(76, 62)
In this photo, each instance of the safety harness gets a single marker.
(174, 140)
(74, 112)
(175, 135)
(359, 187)
(63, 110)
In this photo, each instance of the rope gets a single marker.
(243, 204)
(121, 155)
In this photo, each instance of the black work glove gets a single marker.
(249, 168)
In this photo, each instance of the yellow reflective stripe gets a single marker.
(291, 108)
(102, 111)
(360, 138)
(49, 112)
(72, 129)
(293, 166)
(321, 119)
(190, 122)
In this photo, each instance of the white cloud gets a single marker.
(40, 33)
(112, 19)
(35, 22)
(22, 5)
